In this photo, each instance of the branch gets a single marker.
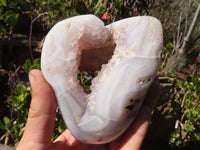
(196, 39)
(179, 35)
(187, 37)
(31, 27)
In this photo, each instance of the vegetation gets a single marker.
(185, 104)
(179, 72)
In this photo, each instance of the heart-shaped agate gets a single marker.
(127, 55)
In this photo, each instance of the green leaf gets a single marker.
(19, 90)
(12, 99)
(192, 95)
(17, 129)
(188, 104)
(192, 114)
(177, 101)
(7, 122)
(56, 12)
(191, 85)
(2, 30)
(175, 135)
(11, 18)
(3, 3)
(20, 131)
(36, 66)
(36, 61)
(2, 126)
(27, 65)
(185, 84)
(172, 75)
(160, 68)
(189, 127)
(39, 1)
(87, 87)
(169, 46)
(198, 107)
(118, 4)
(196, 137)
(196, 81)
(61, 126)
(178, 143)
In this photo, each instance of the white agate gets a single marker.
(119, 88)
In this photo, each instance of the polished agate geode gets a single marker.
(126, 54)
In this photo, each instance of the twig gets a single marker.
(31, 27)
(178, 122)
(193, 43)
(184, 98)
(165, 60)
(187, 37)
(3, 137)
(3, 72)
(178, 34)
(195, 2)
(186, 24)
(166, 78)
(166, 84)
(12, 75)
(6, 140)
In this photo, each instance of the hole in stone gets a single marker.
(130, 107)
(85, 80)
(144, 80)
(134, 101)
(137, 100)
(91, 61)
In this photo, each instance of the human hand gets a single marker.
(42, 114)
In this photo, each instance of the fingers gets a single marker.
(135, 134)
(66, 139)
(42, 112)
(153, 95)
(141, 123)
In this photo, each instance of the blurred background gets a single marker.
(24, 24)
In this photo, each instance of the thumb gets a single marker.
(42, 112)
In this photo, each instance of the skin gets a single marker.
(41, 119)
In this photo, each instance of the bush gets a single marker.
(185, 102)
(18, 104)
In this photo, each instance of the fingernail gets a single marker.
(32, 80)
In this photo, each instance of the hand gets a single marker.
(41, 119)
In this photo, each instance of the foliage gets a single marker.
(85, 80)
(8, 18)
(167, 51)
(18, 104)
(28, 66)
(118, 4)
(56, 10)
(60, 126)
(186, 110)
